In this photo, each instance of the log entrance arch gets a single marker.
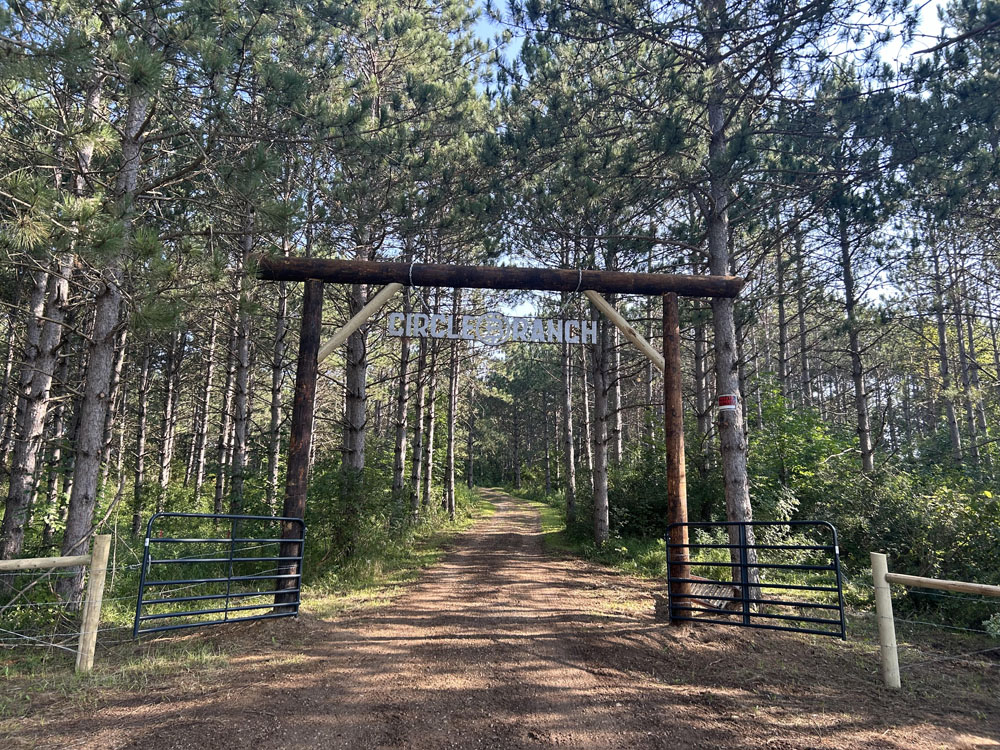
(315, 272)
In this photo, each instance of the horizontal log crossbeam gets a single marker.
(494, 277)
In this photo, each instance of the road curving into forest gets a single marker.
(503, 646)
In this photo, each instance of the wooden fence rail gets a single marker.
(881, 577)
(98, 562)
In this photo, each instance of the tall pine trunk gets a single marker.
(805, 375)
(100, 359)
(38, 366)
(168, 425)
(201, 429)
(41, 362)
(225, 427)
(142, 409)
(57, 439)
(6, 403)
(241, 399)
(401, 413)
(416, 461)
(600, 365)
(615, 395)
(976, 386)
(470, 442)
(429, 420)
(453, 373)
(732, 438)
(277, 383)
(966, 379)
(114, 403)
(863, 421)
(784, 376)
(355, 427)
(569, 457)
(944, 366)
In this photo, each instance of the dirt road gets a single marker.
(502, 646)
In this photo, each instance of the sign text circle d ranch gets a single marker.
(493, 328)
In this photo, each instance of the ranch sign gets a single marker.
(493, 328)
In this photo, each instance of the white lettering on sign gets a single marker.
(493, 328)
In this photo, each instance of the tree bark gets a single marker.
(615, 396)
(854, 344)
(402, 409)
(963, 369)
(588, 438)
(225, 427)
(976, 385)
(41, 356)
(453, 374)
(546, 448)
(241, 400)
(277, 384)
(142, 409)
(429, 419)
(569, 457)
(416, 461)
(469, 446)
(800, 302)
(732, 438)
(355, 419)
(171, 388)
(944, 366)
(703, 404)
(783, 360)
(515, 461)
(201, 430)
(601, 418)
(53, 493)
(114, 404)
(7, 404)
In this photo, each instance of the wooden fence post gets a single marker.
(92, 605)
(886, 625)
(297, 474)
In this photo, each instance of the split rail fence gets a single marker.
(882, 578)
(97, 560)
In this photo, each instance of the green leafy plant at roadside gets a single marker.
(992, 625)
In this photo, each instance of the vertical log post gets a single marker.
(886, 624)
(92, 605)
(678, 557)
(297, 480)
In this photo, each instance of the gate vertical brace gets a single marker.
(744, 574)
(229, 567)
(297, 480)
(678, 552)
(142, 579)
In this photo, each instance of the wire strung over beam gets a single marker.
(494, 277)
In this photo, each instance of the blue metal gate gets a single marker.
(805, 570)
(252, 569)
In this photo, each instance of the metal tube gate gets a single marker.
(229, 571)
(755, 605)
